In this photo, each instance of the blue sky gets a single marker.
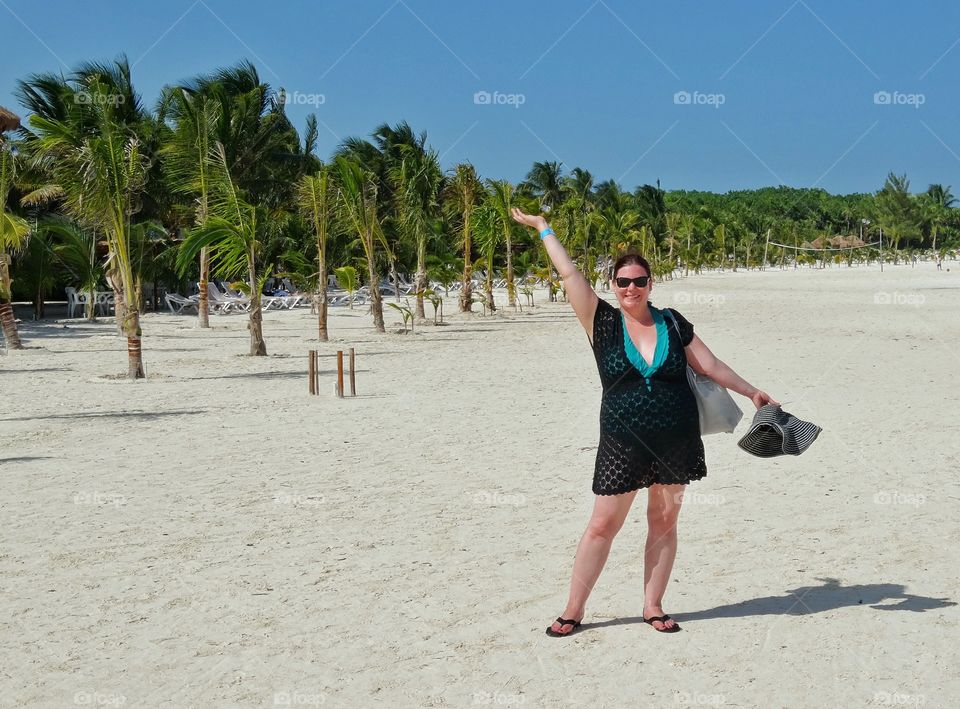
(702, 95)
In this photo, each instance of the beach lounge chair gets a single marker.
(177, 303)
(221, 304)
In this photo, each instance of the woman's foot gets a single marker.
(653, 616)
(575, 615)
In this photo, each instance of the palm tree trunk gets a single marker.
(489, 289)
(203, 307)
(9, 322)
(511, 288)
(7, 319)
(376, 302)
(120, 309)
(466, 291)
(258, 347)
(91, 305)
(420, 283)
(322, 296)
(131, 325)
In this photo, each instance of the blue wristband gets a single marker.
(546, 232)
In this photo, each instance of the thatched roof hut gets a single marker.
(8, 120)
(834, 242)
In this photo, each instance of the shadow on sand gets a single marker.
(809, 599)
(142, 415)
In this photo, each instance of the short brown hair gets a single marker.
(631, 257)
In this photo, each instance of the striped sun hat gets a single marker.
(774, 432)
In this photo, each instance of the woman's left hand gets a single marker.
(762, 398)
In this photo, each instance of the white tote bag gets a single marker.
(718, 411)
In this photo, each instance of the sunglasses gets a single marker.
(639, 281)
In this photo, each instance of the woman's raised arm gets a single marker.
(579, 293)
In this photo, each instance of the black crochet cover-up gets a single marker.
(649, 434)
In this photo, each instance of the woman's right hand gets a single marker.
(535, 221)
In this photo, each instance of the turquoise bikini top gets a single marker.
(659, 353)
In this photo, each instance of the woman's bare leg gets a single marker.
(663, 510)
(609, 513)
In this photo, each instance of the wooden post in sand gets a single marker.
(340, 373)
(312, 371)
(353, 379)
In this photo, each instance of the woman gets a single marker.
(649, 426)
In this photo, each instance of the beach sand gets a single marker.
(213, 536)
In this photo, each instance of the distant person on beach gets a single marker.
(939, 263)
(649, 425)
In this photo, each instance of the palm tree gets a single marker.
(578, 187)
(545, 181)
(14, 232)
(347, 278)
(230, 233)
(500, 198)
(187, 165)
(463, 193)
(937, 205)
(101, 175)
(315, 202)
(86, 138)
(898, 210)
(76, 249)
(417, 181)
(358, 211)
(233, 107)
(487, 237)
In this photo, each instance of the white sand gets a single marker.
(216, 537)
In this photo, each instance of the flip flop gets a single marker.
(564, 621)
(663, 619)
